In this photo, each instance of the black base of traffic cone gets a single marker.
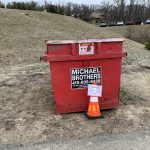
(94, 117)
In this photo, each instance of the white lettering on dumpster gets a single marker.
(81, 77)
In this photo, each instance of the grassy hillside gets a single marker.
(22, 35)
(137, 33)
(26, 100)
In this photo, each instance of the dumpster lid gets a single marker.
(85, 41)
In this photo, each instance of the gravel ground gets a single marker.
(132, 141)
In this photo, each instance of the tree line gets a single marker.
(116, 10)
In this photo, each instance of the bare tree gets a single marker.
(121, 7)
(76, 10)
(86, 12)
(105, 8)
(148, 9)
(131, 8)
(68, 9)
(2, 5)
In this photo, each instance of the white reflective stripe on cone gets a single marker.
(93, 99)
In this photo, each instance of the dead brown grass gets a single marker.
(138, 33)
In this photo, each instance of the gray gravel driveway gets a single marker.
(139, 140)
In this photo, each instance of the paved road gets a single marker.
(128, 141)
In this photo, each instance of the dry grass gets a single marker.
(26, 101)
(22, 36)
(139, 33)
(140, 77)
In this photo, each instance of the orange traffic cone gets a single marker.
(94, 107)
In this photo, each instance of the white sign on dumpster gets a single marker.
(94, 90)
(81, 77)
(86, 48)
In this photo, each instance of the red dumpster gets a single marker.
(75, 64)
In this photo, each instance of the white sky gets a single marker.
(93, 2)
(61, 1)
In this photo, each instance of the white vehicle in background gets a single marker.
(119, 23)
(103, 24)
(147, 21)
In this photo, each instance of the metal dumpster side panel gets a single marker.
(71, 100)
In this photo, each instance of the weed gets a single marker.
(147, 45)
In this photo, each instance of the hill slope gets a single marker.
(26, 103)
(139, 33)
(22, 35)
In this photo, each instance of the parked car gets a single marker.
(148, 21)
(138, 22)
(103, 24)
(120, 23)
(129, 22)
(112, 23)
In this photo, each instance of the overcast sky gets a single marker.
(61, 1)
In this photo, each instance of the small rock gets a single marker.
(89, 144)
